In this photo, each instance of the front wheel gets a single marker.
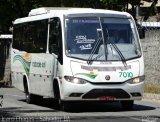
(127, 104)
(62, 105)
(66, 106)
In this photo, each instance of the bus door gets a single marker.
(55, 43)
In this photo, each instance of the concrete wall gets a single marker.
(7, 71)
(151, 51)
(4, 61)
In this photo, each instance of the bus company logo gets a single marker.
(107, 77)
(25, 60)
(91, 75)
(1, 100)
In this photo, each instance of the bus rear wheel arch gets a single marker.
(30, 98)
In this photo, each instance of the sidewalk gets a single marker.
(151, 97)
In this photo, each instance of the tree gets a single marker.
(152, 10)
(12, 9)
(115, 4)
(82, 3)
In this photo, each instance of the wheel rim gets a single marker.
(27, 97)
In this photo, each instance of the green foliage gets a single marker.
(12, 9)
(82, 3)
(115, 4)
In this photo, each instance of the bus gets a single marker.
(74, 54)
(5, 42)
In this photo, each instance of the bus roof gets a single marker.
(47, 12)
(6, 36)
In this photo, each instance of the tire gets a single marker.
(127, 104)
(65, 106)
(29, 98)
(61, 105)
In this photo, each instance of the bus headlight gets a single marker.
(136, 80)
(75, 80)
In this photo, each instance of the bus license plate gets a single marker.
(108, 98)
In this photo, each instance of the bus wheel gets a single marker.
(65, 106)
(127, 104)
(62, 105)
(29, 98)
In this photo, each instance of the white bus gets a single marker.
(76, 54)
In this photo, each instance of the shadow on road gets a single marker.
(91, 106)
(8, 112)
(76, 108)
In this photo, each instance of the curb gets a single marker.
(151, 96)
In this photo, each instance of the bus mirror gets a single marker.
(141, 32)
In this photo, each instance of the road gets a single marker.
(14, 107)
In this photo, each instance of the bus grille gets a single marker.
(97, 93)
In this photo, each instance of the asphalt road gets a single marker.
(13, 107)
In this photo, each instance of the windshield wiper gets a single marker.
(119, 52)
(116, 48)
(101, 38)
(89, 61)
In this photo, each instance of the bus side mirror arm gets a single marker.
(141, 32)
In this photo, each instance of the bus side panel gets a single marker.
(41, 74)
(17, 70)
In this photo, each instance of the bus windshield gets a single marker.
(86, 36)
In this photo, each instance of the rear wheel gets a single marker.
(29, 98)
(127, 104)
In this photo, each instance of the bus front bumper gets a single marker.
(92, 92)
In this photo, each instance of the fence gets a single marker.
(151, 51)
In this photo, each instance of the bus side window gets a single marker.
(55, 38)
(41, 35)
(27, 37)
(17, 38)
